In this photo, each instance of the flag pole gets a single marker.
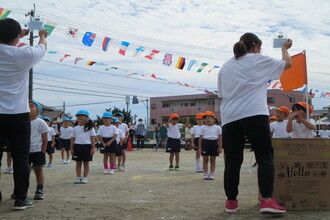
(306, 89)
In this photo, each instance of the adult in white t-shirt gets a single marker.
(324, 133)
(15, 63)
(242, 85)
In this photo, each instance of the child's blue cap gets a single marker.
(115, 120)
(39, 116)
(107, 115)
(66, 119)
(37, 104)
(118, 113)
(46, 119)
(83, 112)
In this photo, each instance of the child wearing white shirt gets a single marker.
(324, 133)
(195, 133)
(51, 141)
(278, 128)
(65, 137)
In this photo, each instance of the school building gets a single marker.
(189, 105)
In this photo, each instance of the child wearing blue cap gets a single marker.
(107, 135)
(65, 137)
(38, 145)
(51, 141)
(82, 144)
(124, 128)
(120, 141)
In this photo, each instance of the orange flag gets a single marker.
(296, 76)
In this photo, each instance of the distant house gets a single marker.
(55, 115)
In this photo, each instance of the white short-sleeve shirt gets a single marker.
(50, 134)
(324, 134)
(15, 63)
(38, 127)
(211, 132)
(123, 127)
(81, 136)
(279, 129)
(107, 131)
(242, 85)
(120, 136)
(196, 130)
(301, 131)
(173, 131)
(65, 133)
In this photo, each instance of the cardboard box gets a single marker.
(302, 173)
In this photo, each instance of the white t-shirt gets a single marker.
(51, 133)
(173, 131)
(242, 85)
(324, 134)
(65, 133)
(196, 130)
(15, 63)
(123, 127)
(82, 137)
(107, 131)
(120, 136)
(301, 131)
(279, 129)
(187, 134)
(211, 132)
(38, 127)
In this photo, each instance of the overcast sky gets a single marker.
(202, 30)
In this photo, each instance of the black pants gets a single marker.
(140, 138)
(16, 128)
(256, 129)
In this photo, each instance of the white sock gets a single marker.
(197, 162)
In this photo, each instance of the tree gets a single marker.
(127, 115)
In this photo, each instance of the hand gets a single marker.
(187, 118)
(43, 33)
(72, 151)
(219, 150)
(92, 151)
(52, 145)
(43, 150)
(104, 144)
(24, 33)
(199, 150)
(287, 44)
(125, 140)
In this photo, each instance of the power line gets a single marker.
(93, 103)
(78, 93)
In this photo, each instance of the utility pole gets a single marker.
(32, 16)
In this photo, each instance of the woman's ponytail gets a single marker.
(239, 49)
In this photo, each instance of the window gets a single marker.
(192, 103)
(270, 99)
(153, 106)
(153, 121)
(186, 104)
(211, 102)
(292, 99)
(166, 105)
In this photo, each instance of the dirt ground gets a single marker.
(146, 190)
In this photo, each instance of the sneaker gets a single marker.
(170, 168)
(49, 165)
(177, 168)
(84, 180)
(271, 207)
(199, 170)
(231, 206)
(111, 172)
(67, 161)
(39, 195)
(63, 161)
(120, 169)
(7, 171)
(21, 205)
(105, 171)
(78, 180)
(211, 176)
(206, 176)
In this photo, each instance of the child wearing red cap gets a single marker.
(278, 128)
(298, 124)
(195, 133)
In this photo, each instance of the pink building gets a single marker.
(190, 105)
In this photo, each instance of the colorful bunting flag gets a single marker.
(52, 52)
(154, 76)
(138, 51)
(49, 27)
(214, 67)
(296, 76)
(167, 59)
(20, 44)
(90, 63)
(88, 39)
(123, 47)
(131, 74)
(65, 56)
(191, 63)
(4, 13)
(152, 54)
(77, 60)
(72, 32)
(106, 43)
(200, 69)
(100, 64)
(180, 63)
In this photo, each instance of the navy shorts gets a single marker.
(65, 143)
(210, 148)
(196, 142)
(124, 146)
(109, 149)
(50, 149)
(119, 150)
(37, 159)
(82, 152)
(173, 145)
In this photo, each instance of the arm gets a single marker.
(193, 140)
(93, 145)
(200, 143)
(285, 54)
(289, 127)
(100, 139)
(187, 122)
(71, 145)
(220, 144)
(43, 35)
(308, 125)
(53, 141)
(167, 123)
(113, 139)
(44, 139)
